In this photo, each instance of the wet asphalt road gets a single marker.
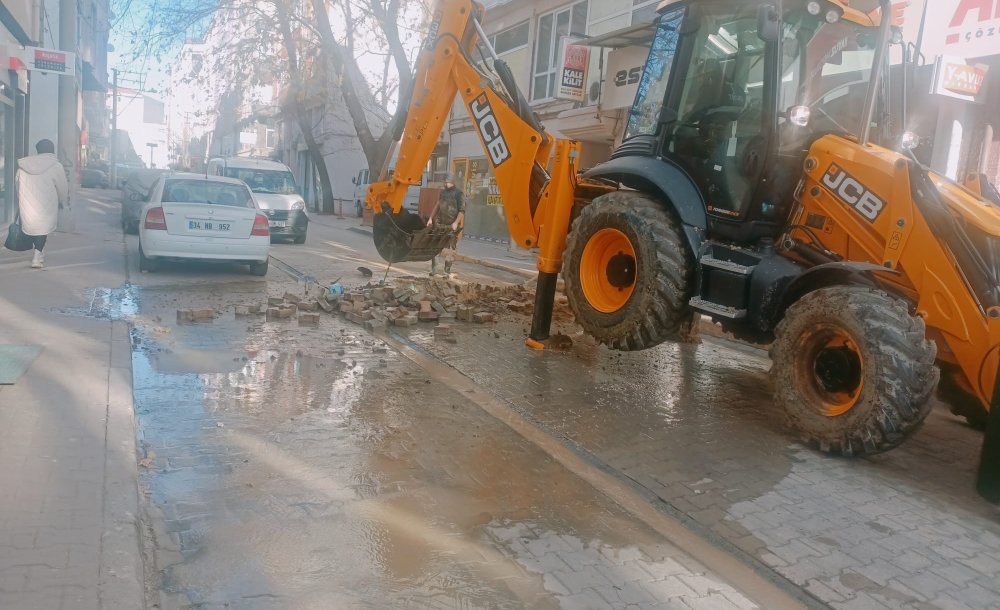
(297, 467)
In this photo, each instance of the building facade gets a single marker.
(19, 26)
(958, 85)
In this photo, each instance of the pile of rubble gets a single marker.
(407, 303)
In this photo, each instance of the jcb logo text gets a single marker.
(489, 129)
(853, 193)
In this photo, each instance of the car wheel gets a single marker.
(147, 264)
(300, 239)
(259, 268)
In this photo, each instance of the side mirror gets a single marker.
(354, 180)
(768, 23)
(134, 196)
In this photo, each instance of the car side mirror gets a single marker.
(768, 23)
(354, 180)
(133, 196)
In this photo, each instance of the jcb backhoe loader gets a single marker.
(747, 188)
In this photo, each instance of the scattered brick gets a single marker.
(292, 298)
(203, 313)
(482, 317)
(308, 318)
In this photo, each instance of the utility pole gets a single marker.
(114, 128)
(69, 130)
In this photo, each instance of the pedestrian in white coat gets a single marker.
(42, 191)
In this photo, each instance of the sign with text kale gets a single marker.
(573, 65)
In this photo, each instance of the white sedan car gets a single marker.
(198, 217)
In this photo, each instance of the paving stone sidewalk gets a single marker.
(68, 536)
(694, 425)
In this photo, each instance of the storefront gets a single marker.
(13, 94)
(957, 89)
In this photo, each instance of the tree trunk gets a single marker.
(315, 153)
(328, 205)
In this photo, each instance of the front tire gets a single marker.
(628, 272)
(853, 370)
(300, 239)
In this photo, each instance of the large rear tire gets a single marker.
(853, 370)
(628, 272)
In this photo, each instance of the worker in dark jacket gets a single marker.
(449, 212)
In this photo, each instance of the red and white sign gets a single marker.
(573, 66)
(42, 60)
(968, 28)
(954, 77)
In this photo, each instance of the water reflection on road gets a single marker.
(301, 468)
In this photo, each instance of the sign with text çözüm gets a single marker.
(573, 64)
(955, 77)
(42, 60)
(967, 28)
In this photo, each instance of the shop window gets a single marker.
(552, 27)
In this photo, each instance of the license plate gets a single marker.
(208, 225)
(279, 224)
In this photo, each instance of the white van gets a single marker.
(363, 179)
(274, 189)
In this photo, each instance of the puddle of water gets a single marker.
(113, 304)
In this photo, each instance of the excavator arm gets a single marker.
(536, 175)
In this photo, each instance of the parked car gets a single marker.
(363, 180)
(122, 171)
(275, 191)
(91, 178)
(136, 185)
(194, 216)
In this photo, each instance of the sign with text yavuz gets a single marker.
(954, 77)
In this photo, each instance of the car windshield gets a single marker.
(207, 191)
(264, 180)
(827, 67)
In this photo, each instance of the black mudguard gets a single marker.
(663, 180)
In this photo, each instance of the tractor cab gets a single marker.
(734, 93)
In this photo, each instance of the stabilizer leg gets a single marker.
(988, 478)
(545, 296)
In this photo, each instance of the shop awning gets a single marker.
(632, 36)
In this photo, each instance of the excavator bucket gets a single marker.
(406, 237)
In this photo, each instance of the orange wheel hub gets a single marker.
(608, 270)
(833, 369)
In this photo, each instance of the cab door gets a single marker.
(720, 135)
